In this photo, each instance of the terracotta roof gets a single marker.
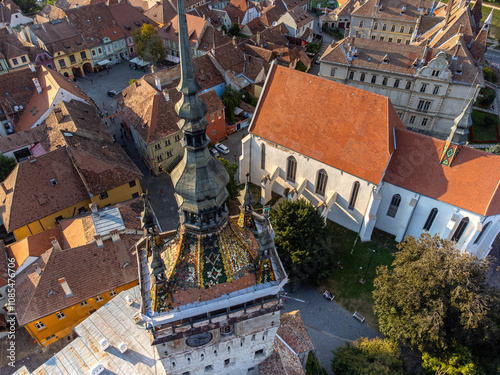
(162, 12)
(479, 47)
(359, 142)
(195, 24)
(231, 57)
(293, 330)
(101, 165)
(292, 4)
(256, 51)
(401, 57)
(212, 38)
(25, 138)
(69, 4)
(33, 246)
(75, 117)
(415, 166)
(50, 82)
(51, 12)
(48, 198)
(141, 5)
(427, 23)
(236, 10)
(10, 46)
(256, 26)
(282, 362)
(94, 22)
(271, 35)
(20, 88)
(59, 37)
(391, 9)
(273, 13)
(88, 270)
(212, 101)
(300, 17)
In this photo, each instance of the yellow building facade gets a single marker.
(119, 194)
(73, 64)
(51, 328)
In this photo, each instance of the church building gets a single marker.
(346, 151)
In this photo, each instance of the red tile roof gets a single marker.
(88, 270)
(293, 330)
(129, 18)
(4, 270)
(358, 142)
(468, 183)
(23, 205)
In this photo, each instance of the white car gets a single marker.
(222, 148)
(214, 152)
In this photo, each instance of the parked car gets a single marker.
(317, 60)
(214, 152)
(112, 93)
(220, 147)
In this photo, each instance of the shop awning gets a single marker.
(104, 62)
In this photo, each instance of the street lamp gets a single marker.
(363, 279)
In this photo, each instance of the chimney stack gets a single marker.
(55, 245)
(93, 208)
(65, 286)
(98, 240)
(115, 235)
(4, 188)
(32, 67)
(158, 83)
(37, 85)
(59, 114)
(258, 39)
(234, 41)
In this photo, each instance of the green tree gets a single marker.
(132, 81)
(302, 241)
(456, 362)
(367, 357)
(232, 186)
(27, 6)
(234, 30)
(312, 47)
(436, 297)
(301, 66)
(148, 43)
(6, 166)
(230, 98)
(494, 149)
(490, 75)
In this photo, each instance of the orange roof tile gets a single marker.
(468, 183)
(359, 142)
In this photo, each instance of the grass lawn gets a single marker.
(480, 132)
(354, 257)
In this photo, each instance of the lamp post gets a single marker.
(363, 279)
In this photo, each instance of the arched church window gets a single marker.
(321, 181)
(460, 229)
(354, 195)
(263, 156)
(482, 233)
(393, 207)
(291, 168)
(430, 219)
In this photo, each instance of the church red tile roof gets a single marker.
(468, 183)
(359, 142)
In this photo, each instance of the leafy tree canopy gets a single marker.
(302, 241)
(312, 47)
(148, 43)
(490, 75)
(300, 66)
(436, 298)
(27, 6)
(368, 357)
(230, 98)
(456, 362)
(6, 166)
(234, 30)
(232, 186)
(494, 149)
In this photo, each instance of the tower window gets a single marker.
(460, 229)
(362, 78)
(351, 75)
(384, 27)
(263, 156)
(402, 29)
(384, 81)
(481, 233)
(408, 85)
(374, 79)
(430, 219)
(396, 83)
(393, 28)
(375, 26)
(393, 207)
(354, 195)
(423, 87)
(436, 90)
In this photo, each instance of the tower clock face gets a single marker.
(199, 339)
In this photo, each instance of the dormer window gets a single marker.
(403, 10)
(459, 69)
(53, 182)
(385, 60)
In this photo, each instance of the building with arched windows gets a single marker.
(353, 159)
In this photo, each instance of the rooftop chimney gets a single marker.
(158, 83)
(257, 41)
(65, 286)
(32, 67)
(98, 240)
(59, 114)
(37, 85)
(4, 188)
(234, 41)
(38, 270)
(93, 208)
(55, 244)
(115, 235)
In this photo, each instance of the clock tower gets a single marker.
(211, 289)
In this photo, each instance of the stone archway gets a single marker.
(77, 72)
(87, 67)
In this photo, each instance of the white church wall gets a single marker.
(307, 168)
